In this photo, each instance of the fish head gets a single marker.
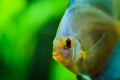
(66, 50)
(63, 50)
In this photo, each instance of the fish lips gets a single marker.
(63, 56)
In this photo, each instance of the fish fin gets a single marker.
(112, 69)
(118, 28)
(71, 2)
(83, 77)
(84, 55)
(81, 57)
(116, 7)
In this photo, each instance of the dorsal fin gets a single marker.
(71, 2)
(116, 9)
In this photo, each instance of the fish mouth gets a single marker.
(65, 62)
(61, 59)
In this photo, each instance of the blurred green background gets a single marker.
(27, 29)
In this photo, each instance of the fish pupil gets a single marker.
(68, 42)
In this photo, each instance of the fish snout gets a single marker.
(59, 57)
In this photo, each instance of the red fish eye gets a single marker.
(69, 43)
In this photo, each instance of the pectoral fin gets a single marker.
(84, 55)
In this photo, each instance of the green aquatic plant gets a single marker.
(20, 22)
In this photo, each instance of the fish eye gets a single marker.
(68, 43)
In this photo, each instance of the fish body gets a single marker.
(86, 37)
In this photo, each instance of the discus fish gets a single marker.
(86, 36)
